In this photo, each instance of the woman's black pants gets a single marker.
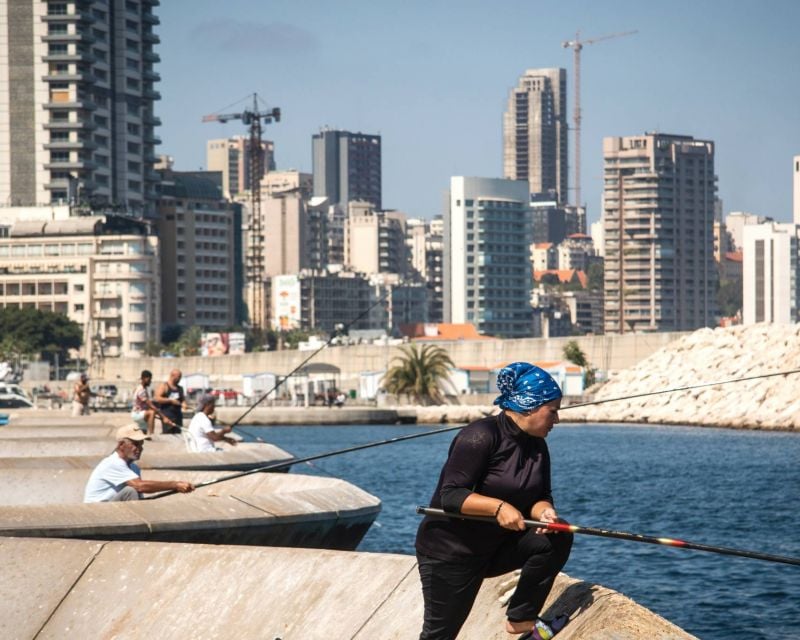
(449, 587)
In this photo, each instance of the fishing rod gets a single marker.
(688, 388)
(620, 535)
(277, 466)
(338, 329)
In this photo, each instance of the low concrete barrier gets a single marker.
(260, 509)
(54, 589)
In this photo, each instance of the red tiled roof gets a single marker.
(441, 331)
(564, 275)
(734, 256)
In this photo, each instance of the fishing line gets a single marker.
(620, 535)
(278, 466)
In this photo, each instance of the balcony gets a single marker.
(108, 313)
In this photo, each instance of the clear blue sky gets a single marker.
(432, 77)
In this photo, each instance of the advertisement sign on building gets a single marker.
(285, 302)
(220, 344)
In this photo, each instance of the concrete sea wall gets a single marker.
(138, 590)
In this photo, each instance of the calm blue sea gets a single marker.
(737, 489)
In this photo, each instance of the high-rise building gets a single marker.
(77, 89)
(658, 216)
(487, 269)
(231, 156)
(535, 133)
(771, 273)
(347, 167)
(200, 238)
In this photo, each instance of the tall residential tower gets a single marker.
(658, 217)
(535, 133)
(76, 103)
(347, 167)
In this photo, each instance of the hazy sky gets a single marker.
(432, 77)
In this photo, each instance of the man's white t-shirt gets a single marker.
(199, 428)
(109, 478)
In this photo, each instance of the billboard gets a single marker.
(220, 344)
(285, 302)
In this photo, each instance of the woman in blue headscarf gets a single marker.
(500, 467)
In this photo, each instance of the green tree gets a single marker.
(595, 274)
(574, 353)
(188, 344)
(29, 331)
(418, 373)
(729, 297)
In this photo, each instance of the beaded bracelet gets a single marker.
(499, 506)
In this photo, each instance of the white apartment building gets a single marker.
(100, 271)
(796, 189)
(487, 270)
(76, 103)
(658, 215)
(771, 273)
(735, 223)
(375, 241)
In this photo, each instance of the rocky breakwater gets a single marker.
(708, 356)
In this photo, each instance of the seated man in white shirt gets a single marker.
(119, 478)
(201, 429)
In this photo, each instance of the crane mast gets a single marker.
(577, 45)
(255, 252)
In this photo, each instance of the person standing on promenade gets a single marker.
(201, 429)
(171, 402)
(499, 467)
(80, 396)
(118, 478)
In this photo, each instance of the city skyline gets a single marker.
(433, 82)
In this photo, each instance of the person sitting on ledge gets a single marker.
(118, 477)
(202, 433)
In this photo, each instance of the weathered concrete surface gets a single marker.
(707, 356)
(149, 590)
(264, 509)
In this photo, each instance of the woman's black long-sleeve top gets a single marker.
(492, 457)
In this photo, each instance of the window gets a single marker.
(59, 156)
(78, 307)
(134, 147)
(56, 28)
(56, 48)
(59, 116)
(57, 9)
(78, 287)
(132, 64)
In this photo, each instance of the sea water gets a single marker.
(719, 487)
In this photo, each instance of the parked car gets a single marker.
(104, 390)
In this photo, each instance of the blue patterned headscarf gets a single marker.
(525, 386)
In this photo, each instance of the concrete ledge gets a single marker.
(308, 415)
(142, 591)
(259, 509)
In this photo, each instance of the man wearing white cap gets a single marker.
(119, 478)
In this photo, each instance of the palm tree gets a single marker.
(418, 373)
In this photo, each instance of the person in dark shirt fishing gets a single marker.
(171, 402)
(500, 467)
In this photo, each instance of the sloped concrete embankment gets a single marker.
(708, 356)
(260, 509)
(55, 589)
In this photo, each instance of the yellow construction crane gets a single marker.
(255, 261)
(576, 45)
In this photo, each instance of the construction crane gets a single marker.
(252, 118)
(576, 45)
